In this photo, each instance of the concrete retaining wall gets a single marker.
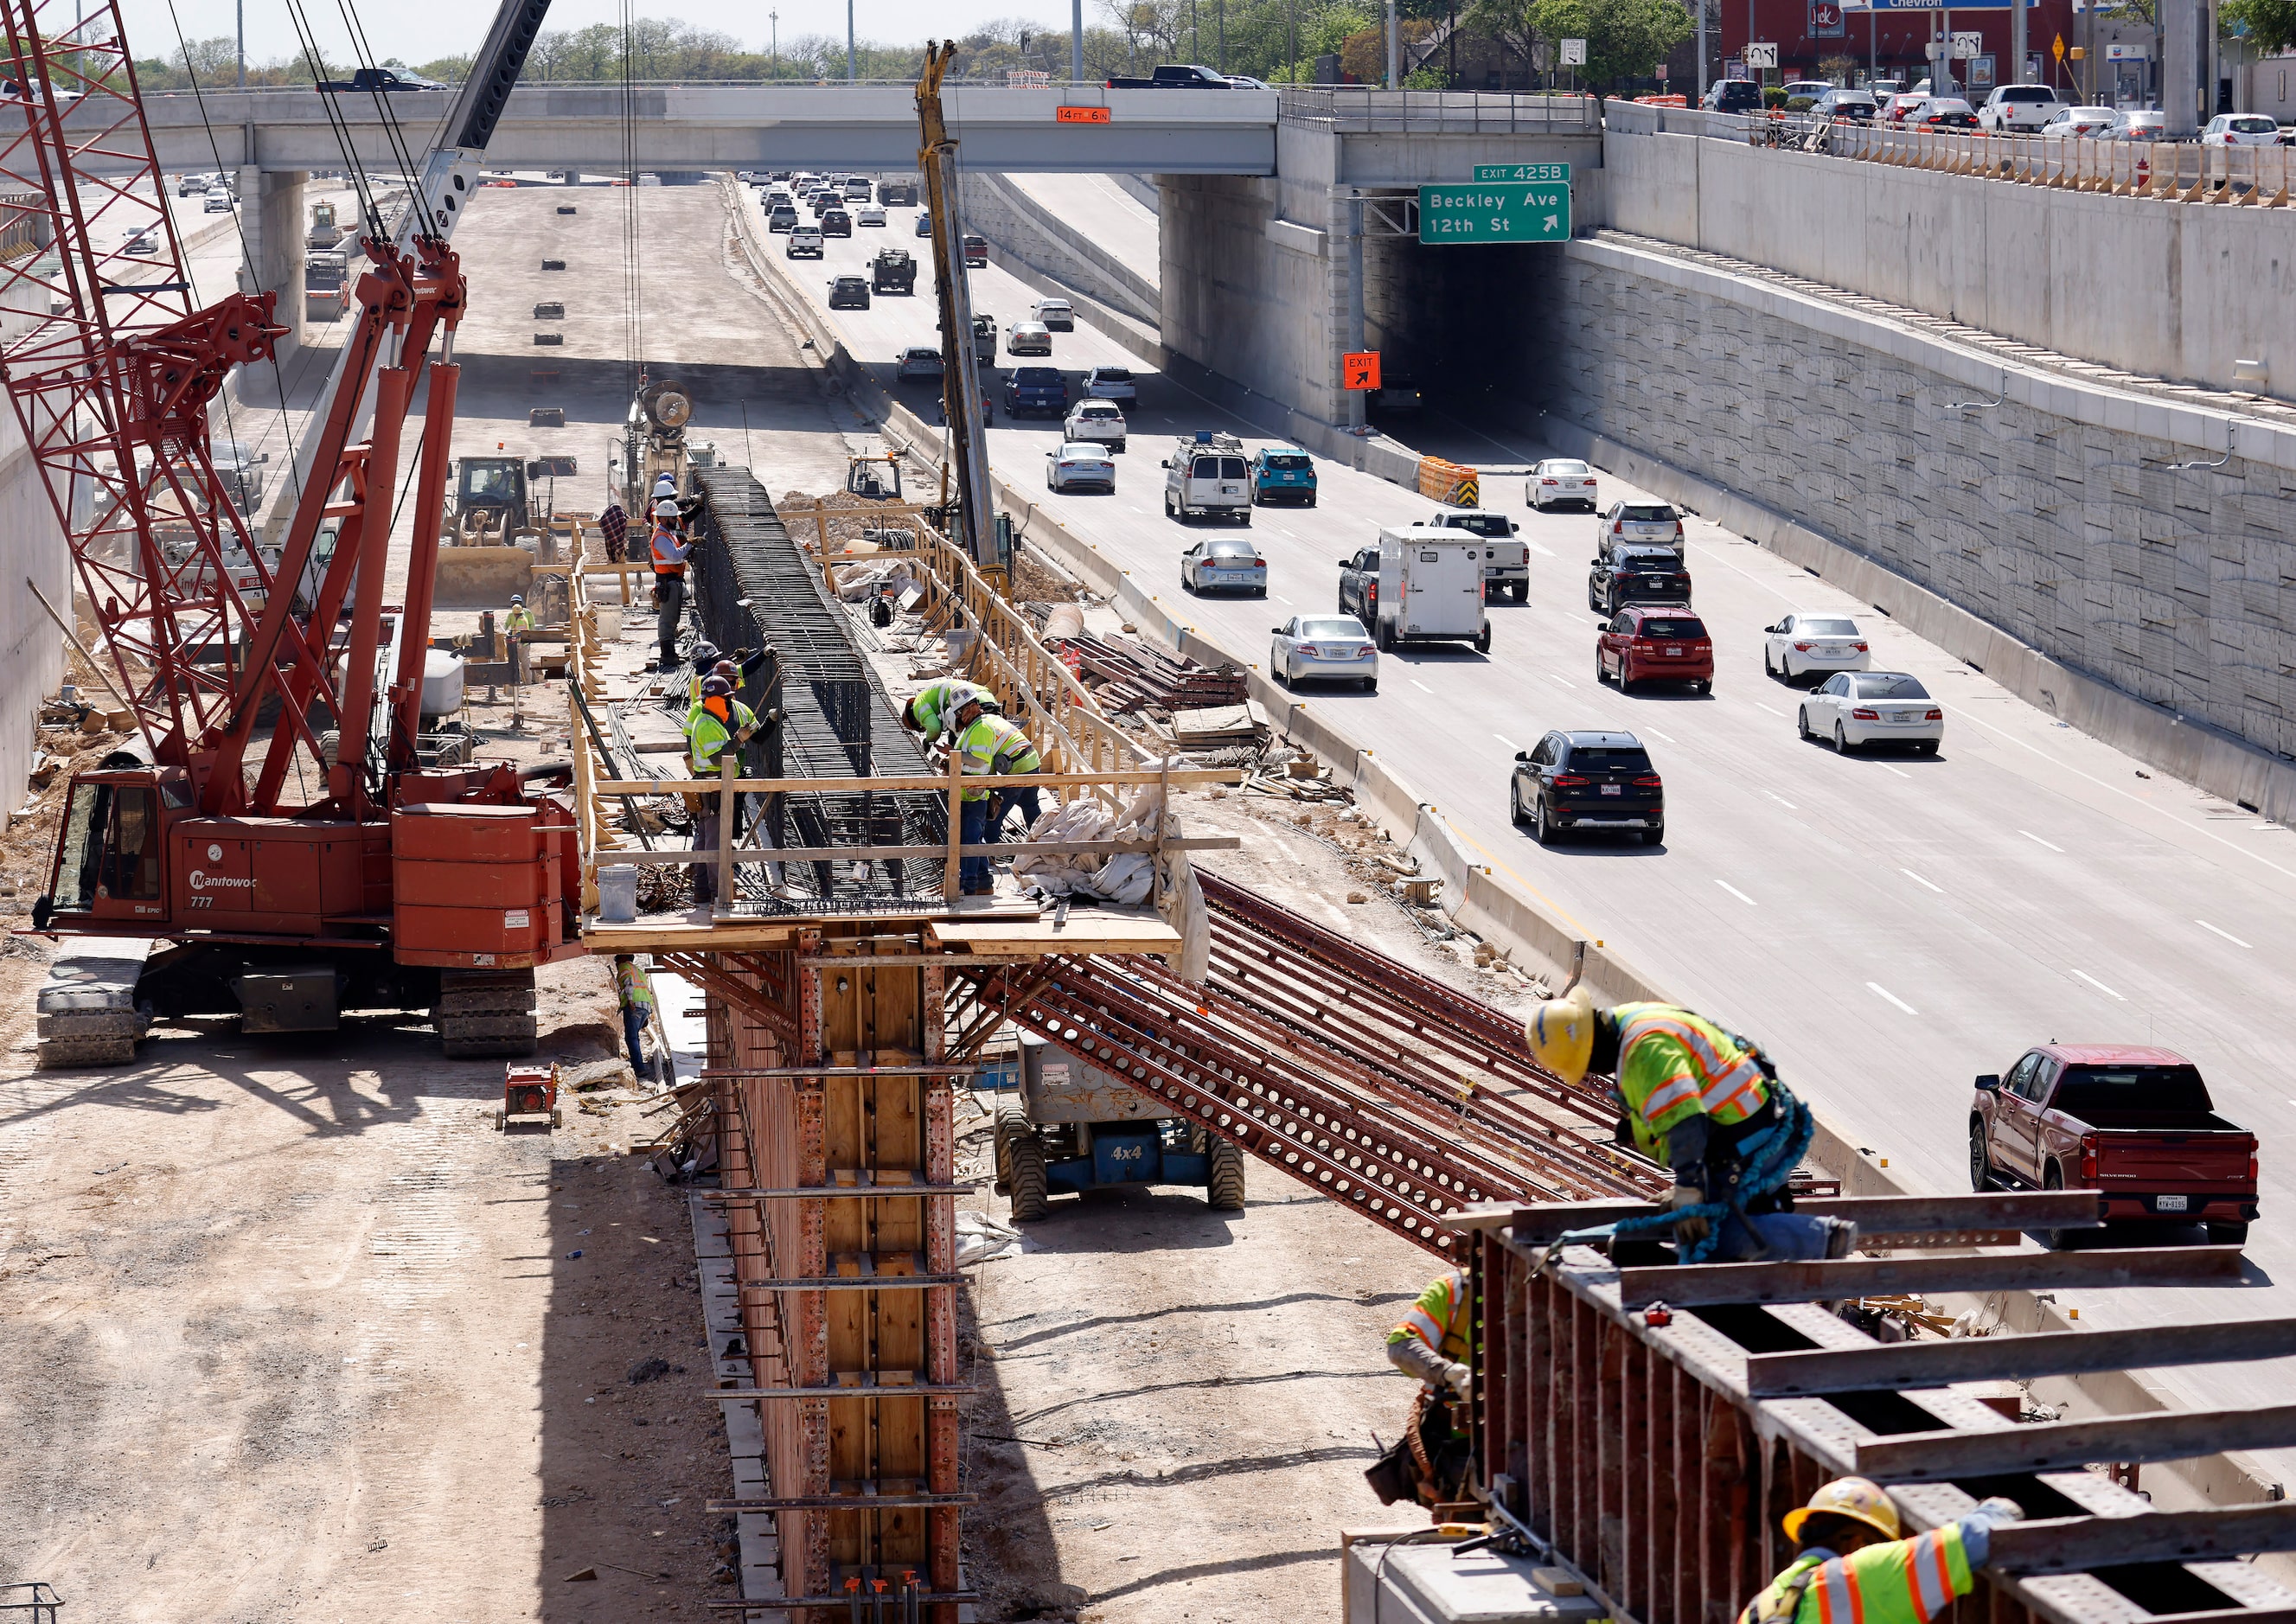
(2031, 526)
(2175, 290)
(31, 648)
(1008, 215)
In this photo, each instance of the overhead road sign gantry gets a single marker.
(1495, 211)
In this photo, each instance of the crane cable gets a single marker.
(633, 235)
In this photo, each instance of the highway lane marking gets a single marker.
(1280, 598)
(1781, 800)
(1917, 880)
(1421, 686)
(1740, 895)
(1501, 866)
(1655, 733)
(1772, 709)
(1559, 683)
(1882, 991)
(2037, 841)
(2100, 986)
(1542, 552)
(1503, 739)
(2227, 935)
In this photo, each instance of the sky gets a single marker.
(423, 30)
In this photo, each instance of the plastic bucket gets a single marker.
(618, 894)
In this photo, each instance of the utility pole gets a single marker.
(2017, 24)
(776, 18)
(1394, 77)
(1075, 40)
(968, 448)
(1220, 11)
(1702, 50)
(1290, 37)
(849, 75)
(242, 43)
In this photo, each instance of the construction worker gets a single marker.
(1708, 1105)
(1852, 1565)
(667, 549)
(518, 619)
(614, 526)
(989, 746)
(1433, 1342)
(705, 661)
(718, 720)
(938, 707)
(635, 994)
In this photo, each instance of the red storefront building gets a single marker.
(1888, 43)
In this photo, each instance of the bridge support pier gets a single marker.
(272, 223)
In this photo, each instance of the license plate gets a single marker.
(1905, 715)
(1614, 788)
(1673, 652)
(2167, 1203)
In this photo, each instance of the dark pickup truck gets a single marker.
(1359, 587)
(2135, 1123)
(1175, 75)
(893, 271)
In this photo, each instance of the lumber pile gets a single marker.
(1131, 673)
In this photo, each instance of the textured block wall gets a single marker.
(2176, 586)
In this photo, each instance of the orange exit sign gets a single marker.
(1081, 115)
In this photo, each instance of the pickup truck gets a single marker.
(1419, 584)
(2135, 1123)
(893, 271)
(1506, 561)
(1175, 75)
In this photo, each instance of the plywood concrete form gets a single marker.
(790, 1132)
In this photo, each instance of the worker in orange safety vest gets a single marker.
(1852, 1566)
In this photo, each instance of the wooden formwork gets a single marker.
(1632, 1442)
(833, 1102)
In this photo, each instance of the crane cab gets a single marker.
(111, 850)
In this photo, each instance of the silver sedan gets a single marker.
(1320, 646)
(1855, 708)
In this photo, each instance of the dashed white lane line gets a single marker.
(1560, 683)
(1880, 991)
(1740, 895)
(1503, 739)
(1421, 686)
(1781, 800)
(2037, 841)
(1917, 880)
(1655, 733)
(1772, 709)
(1886, 767)
(2227, 935)
(2100, 986)
(1280, 598)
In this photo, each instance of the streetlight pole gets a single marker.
(1394, 77)
(1076, 41)
(242, 43)
(849, 75)
(777, 19)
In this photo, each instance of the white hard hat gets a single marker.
(664, 484)
(517, 597)
(664, 509)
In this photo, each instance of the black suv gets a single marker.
(848, 292)
(1733, 96)
(836, 223)
(1587, 781)
(1637, 575)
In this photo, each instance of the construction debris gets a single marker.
(1215, 726)
(1132, 674)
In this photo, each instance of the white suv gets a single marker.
(2019, 107)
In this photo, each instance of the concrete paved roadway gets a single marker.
(1889, 926)
(1118, 221)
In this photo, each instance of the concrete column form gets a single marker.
(2180, 67)
(272, 225)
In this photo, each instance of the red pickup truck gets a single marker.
(2135, 1123)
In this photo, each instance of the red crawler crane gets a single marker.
(388, 886)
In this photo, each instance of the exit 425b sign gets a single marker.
(1495, 211)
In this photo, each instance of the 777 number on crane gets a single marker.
(1495, 211)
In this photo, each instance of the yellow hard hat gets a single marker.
(1860, 1500)
(1560, 1033)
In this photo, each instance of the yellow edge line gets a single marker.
(1557, 909)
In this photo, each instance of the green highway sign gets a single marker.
(1524, 171)
(1495, 211)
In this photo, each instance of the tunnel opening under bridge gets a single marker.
(1457, 326)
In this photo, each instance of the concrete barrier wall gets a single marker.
(2175, 290)
(2032, 526)
(1005, 215)
(31, 649)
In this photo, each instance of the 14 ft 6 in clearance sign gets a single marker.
(1080, 115)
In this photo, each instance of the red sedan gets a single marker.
(1655, 642)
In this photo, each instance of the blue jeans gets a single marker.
(972, 830)
(1791, 1237)
(1005, 800)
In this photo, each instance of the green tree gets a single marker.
(1625, 38)
(2271, 23)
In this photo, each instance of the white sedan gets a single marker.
(2241, 129)
(1803, 644)
(869, 214)
(1559, 480)
(1111, 384)
(1321, 646)
(1100, 421)
(1855, 709)
(1079, 464)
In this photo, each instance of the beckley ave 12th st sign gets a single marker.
(1495, 211)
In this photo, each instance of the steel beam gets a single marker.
(1994, 1358)
(2073, 1545)
(1543, 1225)
(1831, 1281)
(2177, 1435)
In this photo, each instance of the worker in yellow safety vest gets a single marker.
(1434, 1341)
(518, 619)
(1709, 1104)
(635, 994)
(940, 707)
(990, 747)
(1852, 1566)
(718, 720)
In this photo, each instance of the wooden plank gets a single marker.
(834, 1192)
(1541, 1225)
(1832, 1280)
(2058, 1446)
(2071, 1544)
(1079, 933)
(854, 1282)
(922, 1390)
(1997, 1358)
(842, 1501)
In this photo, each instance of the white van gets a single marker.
(1431, 587)
(1206, 474)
